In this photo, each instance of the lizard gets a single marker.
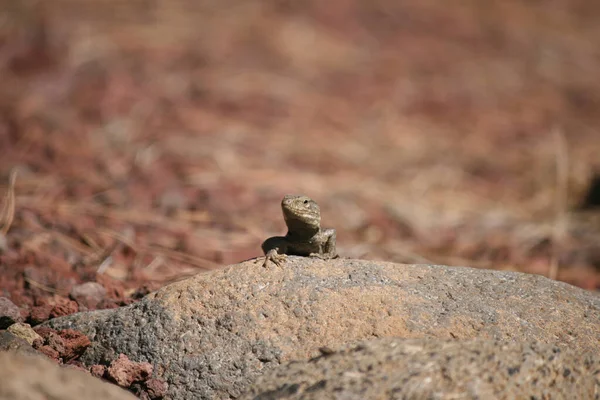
(305, 237)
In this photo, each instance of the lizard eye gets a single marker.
(305, 201)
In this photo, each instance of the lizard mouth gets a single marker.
(307, 220)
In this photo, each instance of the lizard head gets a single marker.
(301, 211)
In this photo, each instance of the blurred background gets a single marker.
(143, 141)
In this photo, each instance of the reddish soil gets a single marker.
(145, 142)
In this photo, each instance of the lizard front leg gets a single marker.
(275, 249)
(327, 248)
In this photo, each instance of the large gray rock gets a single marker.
(393, 368)
(210, 336)
(26, 377)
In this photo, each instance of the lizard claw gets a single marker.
(276, 259)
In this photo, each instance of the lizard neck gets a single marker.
(301, 229)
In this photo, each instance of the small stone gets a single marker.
(171, 201)
(25, 313)
(50, 352)
(37, 343)
(9, 313)
(75, 343)
(68, 343)
(56, 342)
(24, 331)
(66, 307)
(11, 342)
(88, 295)
(44, 331)
(124, 371)
(156, 388)
(40, 314)
(98, 370)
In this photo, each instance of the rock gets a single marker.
(435, 368)
(65, 307)
(40, 314)
(88, 295)
(11, 342)
(44, 331)
(50, 352)
(66, 344)
(172, 200)
(24, 331)
(25, 313)
(75, 344)
(230, 326)
(124, 371)
(27, 377)
(56, 342)
(9, 313)
(156, 388)
(98, 370)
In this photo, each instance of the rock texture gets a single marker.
(124, 372)
(393, 368)
(212, 335)
(11, 342)
(24, 331)
(88, 295)
(34, 377)
(9, 313)
(63, 346)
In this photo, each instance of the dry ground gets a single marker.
(144, 141)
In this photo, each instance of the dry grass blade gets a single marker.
(131, 216)
(561, 193)
(102, 254)
(44, 287)
(90, 242)
(197, 262)
(8, 211)
(104, 265)
(155, 263)
(200, 263)
(70, 242)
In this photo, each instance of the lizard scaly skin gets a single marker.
(305, 237)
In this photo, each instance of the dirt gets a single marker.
(144, 143)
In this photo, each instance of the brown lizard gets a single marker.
(305, 237)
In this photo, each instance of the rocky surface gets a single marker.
(9, 313)
(125, 372)
(88, 295)
(11, 342)
(62, 346)
(24, 331)
(34, 377)
(212, 335)
(393, 368)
